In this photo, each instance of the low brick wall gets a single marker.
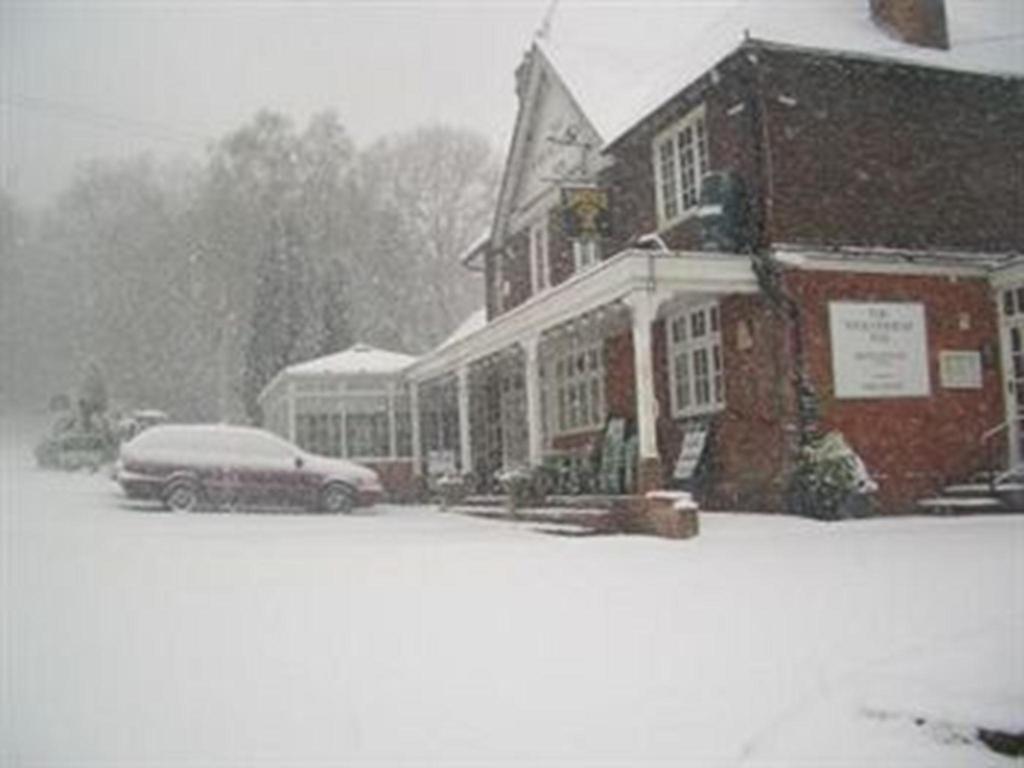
(397, 478)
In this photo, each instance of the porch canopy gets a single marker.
(640, 281)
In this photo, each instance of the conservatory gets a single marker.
(352, 404)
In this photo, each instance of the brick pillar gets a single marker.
(648, 474)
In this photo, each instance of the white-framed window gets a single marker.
(695, 361)
(585, 253)
(576, 380)
(680, 156)
(539, 255)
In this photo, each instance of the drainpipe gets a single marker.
(767, 268)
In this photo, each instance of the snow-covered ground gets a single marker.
(410, 637)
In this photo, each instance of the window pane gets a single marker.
(679, 329)
(687, 170)
(702, 149)
(367, 434)
(574, 412)
(683, 381)
(670, 206)
(702, 393)
(716, 352)
(697, 324)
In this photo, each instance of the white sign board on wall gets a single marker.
(879, 349)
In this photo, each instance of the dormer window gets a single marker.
(539, 255)
(680, 156)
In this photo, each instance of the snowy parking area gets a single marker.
(405, 636)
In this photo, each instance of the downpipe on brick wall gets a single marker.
(769, 272)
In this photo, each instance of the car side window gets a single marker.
(260, 446)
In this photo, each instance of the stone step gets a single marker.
(981, 489)
(580, 520)
(960, 505)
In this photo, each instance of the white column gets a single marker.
(414, 417)
(465, 448)
(290, 400)
(392, 423)
(644, 308)
(534, 431)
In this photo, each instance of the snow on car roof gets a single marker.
(182, 432)
(357, 359)
(173, 441)
(622, 60)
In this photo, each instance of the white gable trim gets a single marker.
(539, 66)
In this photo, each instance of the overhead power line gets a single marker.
(79, 113)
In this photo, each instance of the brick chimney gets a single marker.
(919, 22)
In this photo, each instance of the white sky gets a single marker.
(97, 79)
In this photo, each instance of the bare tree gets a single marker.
(193, 286)
(438, 186)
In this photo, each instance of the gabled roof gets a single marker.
(622, 60)
(537, 70)
(357, 359)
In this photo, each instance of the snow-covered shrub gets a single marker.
(523, 485)
(831, 480)
(451, 488)
(566, 474)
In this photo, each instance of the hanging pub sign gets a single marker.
(586, 212)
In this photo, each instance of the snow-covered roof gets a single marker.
(624, 59)
(471, 324)
(357, 359)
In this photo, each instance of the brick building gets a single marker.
(804, 221)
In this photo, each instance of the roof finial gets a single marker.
(545, 26)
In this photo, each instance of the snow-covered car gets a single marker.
(192, 465)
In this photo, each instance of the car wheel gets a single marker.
(337, 498)
(181, 496)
